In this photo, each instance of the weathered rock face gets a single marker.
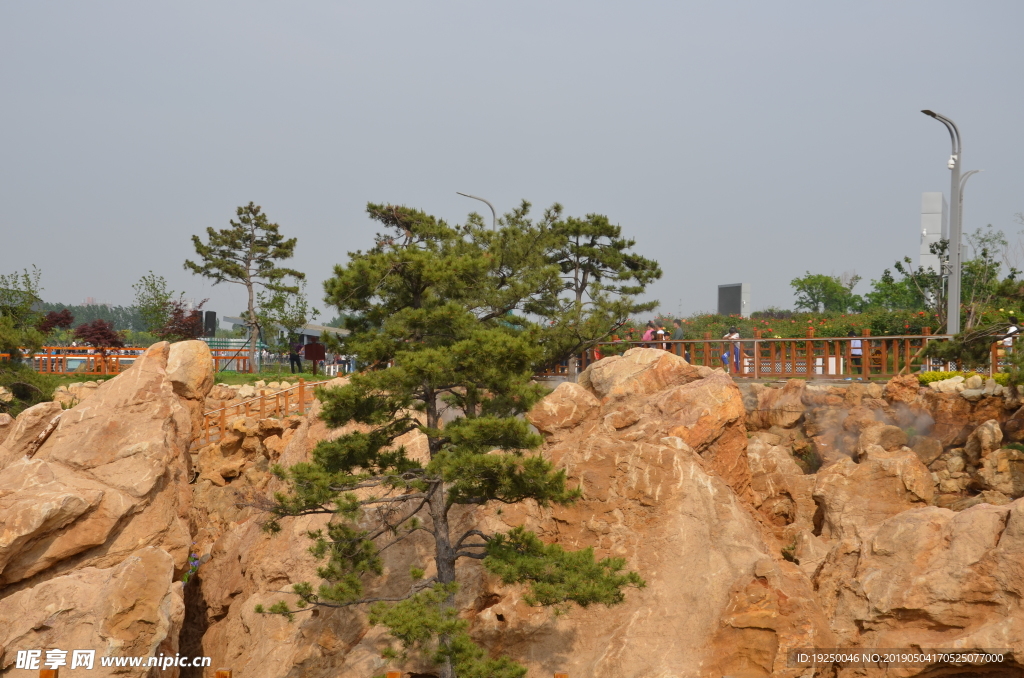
(95, 516)
(855, 497)
(719, 598)
(29, 431)
(930, 577)
(133, 609)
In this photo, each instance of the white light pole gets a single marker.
(955, 229)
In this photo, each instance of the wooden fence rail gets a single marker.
(810, 357)
(100, 361)
(294, 400)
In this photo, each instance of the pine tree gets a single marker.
(246, 254)
(438, 312)
(602, 279)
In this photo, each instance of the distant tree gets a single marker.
(286, 311)
(19, 297)
(817, 292)
(121, 317)
(54, 320)
(433, 301)
(247, 254)
(153, 301)
(183, 322)
(99, 334)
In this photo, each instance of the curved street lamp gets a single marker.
(494, 215)
(955, 228)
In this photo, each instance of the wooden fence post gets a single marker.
(48, 673)
(561, 675)
(394, 674)
(302, 395)
(223, 673)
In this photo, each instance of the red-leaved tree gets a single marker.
(100, 334)
(182, 323)
(54, 319)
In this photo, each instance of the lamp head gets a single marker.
(929, 113)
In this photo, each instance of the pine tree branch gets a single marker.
(472, 533)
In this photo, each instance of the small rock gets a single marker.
(946, 385)
(972, 394)
(974, 382)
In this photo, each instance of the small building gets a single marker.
(934, 226)
(734, 299)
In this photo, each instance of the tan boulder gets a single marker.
(902, 389)
(32, 427)
(855, 497)
(883, 435)
(639, 371)
(6, 426)
(927, 449)
(566, 406)
(984, 440)
(1003, 471)
(133, 609)
(778, 406)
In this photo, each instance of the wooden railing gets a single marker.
(294, 400)
(86, 360)
(811, 357)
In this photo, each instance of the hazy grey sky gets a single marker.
(735, 141)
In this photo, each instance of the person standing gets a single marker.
(677, 335)
(294, 355)
(649, 333)
(856, 353)
(732, 350)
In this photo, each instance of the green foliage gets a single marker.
(419, 621)
(19, 297)
(28, 386)
(925, 378)
(153, 301)
(601, 278)
(121, 317)
(817, 292)
(247, 254)
(555, 575)
(442, 315)
(289, 311)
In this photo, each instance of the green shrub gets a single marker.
(925, 378)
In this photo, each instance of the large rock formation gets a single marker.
(95, 503)
(778, 517)
(659, 449)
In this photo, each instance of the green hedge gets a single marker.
(926, 378)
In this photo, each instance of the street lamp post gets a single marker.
(494, 215)
(953, 287)
(963, 185)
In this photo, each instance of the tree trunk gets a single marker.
(445, 561)
(253, 329)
